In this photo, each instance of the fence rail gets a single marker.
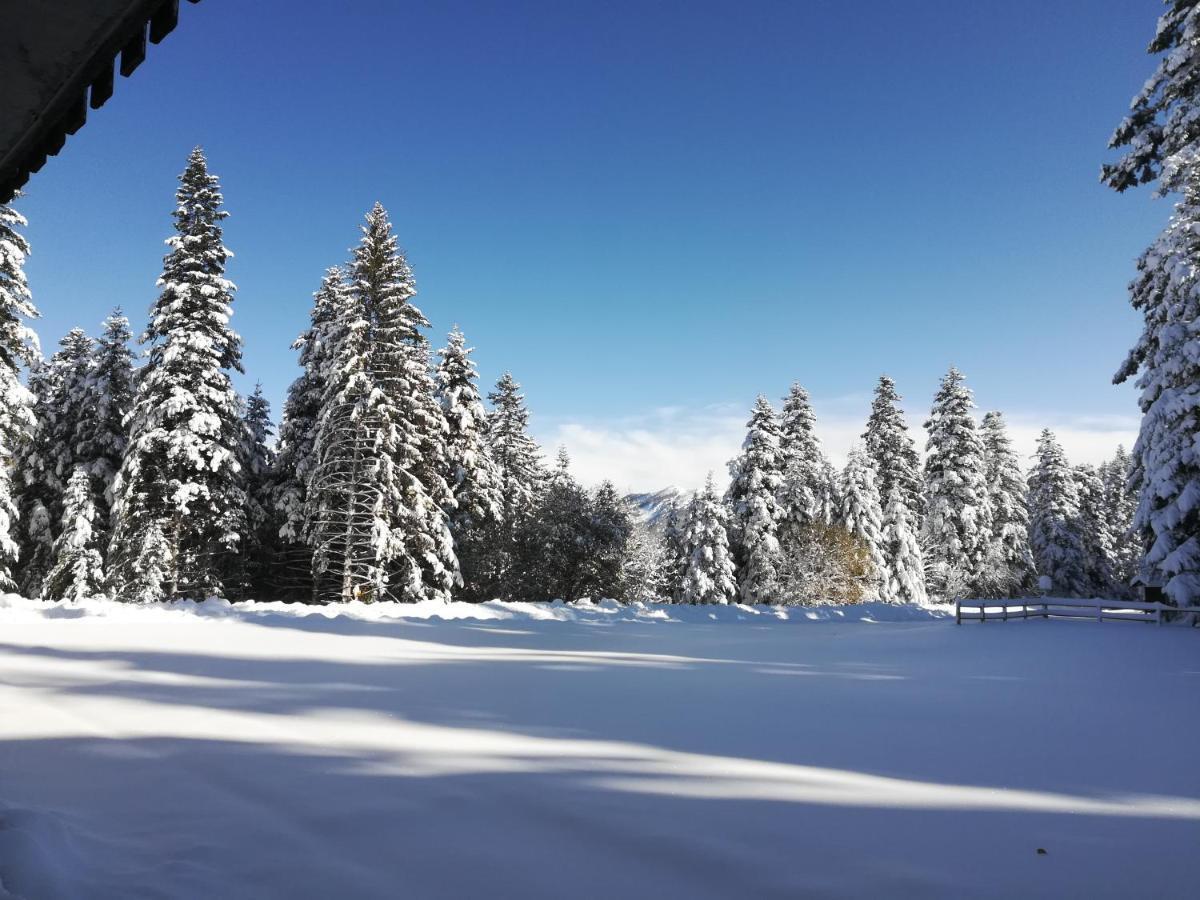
(1044, 608)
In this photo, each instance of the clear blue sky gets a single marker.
(642, 204)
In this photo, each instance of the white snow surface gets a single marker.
(568, 750)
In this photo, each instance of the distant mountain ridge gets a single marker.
(652, 508)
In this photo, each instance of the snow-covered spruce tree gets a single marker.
(675, 551)
(180, 481)
(1166, 358)
(804, 495)
(956, 530)
(1054, 519)
(1011, 570)
(892, 450)
(78, 569)
(710, 574)
(295, 459)
(755, 512)
(1164, 118)
(519, 466)
(644, 568)
(109, 397)
(470, 472)
(860, 513)
(609, 527)
(1121, 503)
(262, 525)
(904, 566)
(549, 557)
(1095, 532)
(377, 500)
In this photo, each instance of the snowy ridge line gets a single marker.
(16, 608)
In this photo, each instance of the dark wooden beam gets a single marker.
(134, 51)
(164, 20)
(102, 87)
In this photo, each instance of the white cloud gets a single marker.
(679, 446)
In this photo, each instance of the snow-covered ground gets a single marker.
(523, 751)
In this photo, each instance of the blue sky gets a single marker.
(651, 211)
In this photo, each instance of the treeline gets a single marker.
(792, 530)
(390, 479)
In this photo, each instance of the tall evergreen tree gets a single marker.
(756, 482)
(1011, 557)
(377, 499)
(473, 478)
(78, 570)
(675, 551)
(262, 535)
(606, 544)
(296, 457)
(804, 492)
(891, 448)
(1166, 465)
(861, 514)
(1121, 503)
(1054, 518)
(109, 397)
(519, 467)
(1163, 124)
(180, 480)
(18, 348)
(957, 524)
(904, 566)
(710, 574)
(37, 489)
(1095, 532)
(550, 557)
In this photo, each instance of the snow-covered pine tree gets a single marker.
(904, 566)
(71, 411)
(473, 478)
(1054, 520)
(1121, 504)
(180, 481)
(38, 493)
(804, 495)
(109, 397)
(519, 466)
(1166, 358)
(377, 498)
(710, 574)
(78, 569)
(675, 551)
(295, 459)
(892, 450)
(552, 545)
(1164, 118)
(957, 525)
(860, 513)
(644, 568)
(261, 542)
(1095, 532)
(755, 512)
(1010, 555)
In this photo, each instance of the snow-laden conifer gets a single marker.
(377, 498)
(78, 569)
(753, 499)
(805, 494)
(38, 493)
(258, 548)
(472, 476)
(515, 454)
(710, 574)
(296, 458)
(1054, 520)
(675, 550)
(1010, 556)
(18, 348)
(860, 513)
(1163, 124)
(109, 397)
(1095, 532)
(1121, 503)
(551, 545)
(609, 527)
(891, 448)
(904, 566)
(180, 481)
(1166, 359)
(955, 533)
